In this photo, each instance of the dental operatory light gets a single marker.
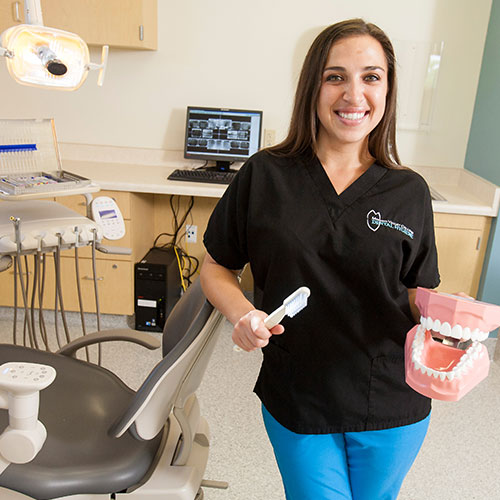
(47, 57)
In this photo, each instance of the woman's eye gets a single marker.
(372, 78)
(334, 78)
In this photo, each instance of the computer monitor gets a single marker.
(222, 135)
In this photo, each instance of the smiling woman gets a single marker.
(351, 104)
(352, 97)
(332, 209)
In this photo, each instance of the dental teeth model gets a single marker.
(444, 357)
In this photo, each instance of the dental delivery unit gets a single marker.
(88, 435)
(444, 357)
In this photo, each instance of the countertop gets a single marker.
(140, 178)
(463, 191)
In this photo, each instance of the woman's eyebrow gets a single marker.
(334, 68)
(373, 68)
(366, 68)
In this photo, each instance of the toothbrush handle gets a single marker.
(275, 317)
(272, 320)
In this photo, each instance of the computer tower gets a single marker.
(157, 287)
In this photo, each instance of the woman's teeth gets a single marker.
(457, 331)
(351, 116)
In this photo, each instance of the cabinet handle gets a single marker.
(17, 16)
(92, 279)
(141, 32)
(478, 244)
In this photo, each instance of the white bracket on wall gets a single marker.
(418, 73)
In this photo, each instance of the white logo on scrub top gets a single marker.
(374, 221)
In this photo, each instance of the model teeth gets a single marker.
(351, 116)
(457, 331)
(471, 354)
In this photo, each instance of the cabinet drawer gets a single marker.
(460, 221)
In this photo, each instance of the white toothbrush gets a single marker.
(293, 304)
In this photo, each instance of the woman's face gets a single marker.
(353, 92)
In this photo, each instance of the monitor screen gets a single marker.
(222, 135)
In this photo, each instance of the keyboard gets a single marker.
(200, 175)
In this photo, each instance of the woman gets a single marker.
(332, 209)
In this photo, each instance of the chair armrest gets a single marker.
(123, 334)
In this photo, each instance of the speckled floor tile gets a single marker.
(460, 458)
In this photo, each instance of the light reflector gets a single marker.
(46, 57)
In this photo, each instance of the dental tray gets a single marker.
(30, 164)
(36, 182)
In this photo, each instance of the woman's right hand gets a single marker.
(251, 333)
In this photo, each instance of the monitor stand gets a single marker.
(221, 166)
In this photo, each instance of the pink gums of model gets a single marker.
(438, 368)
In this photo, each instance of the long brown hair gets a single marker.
(304, 122)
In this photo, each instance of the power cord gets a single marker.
(187, 264)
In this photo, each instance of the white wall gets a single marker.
(247, 54)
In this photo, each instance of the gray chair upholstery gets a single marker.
(96, 441)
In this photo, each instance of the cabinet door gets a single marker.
(458, 258)
(118, 23)
(114, 283)
(461, 244)
(11, 13)
(7, 283)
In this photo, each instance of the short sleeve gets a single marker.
(226, 235)
(421, 267)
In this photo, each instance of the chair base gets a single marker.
(167, 482)
(171, 482)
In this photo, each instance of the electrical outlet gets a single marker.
(269, 137)
(191, 233)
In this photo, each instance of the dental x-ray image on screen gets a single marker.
(222, 135)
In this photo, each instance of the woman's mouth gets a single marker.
(352, 117)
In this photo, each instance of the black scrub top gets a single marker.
(339, 366)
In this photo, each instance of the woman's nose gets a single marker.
(353, 92)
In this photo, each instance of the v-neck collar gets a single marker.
(337, 203)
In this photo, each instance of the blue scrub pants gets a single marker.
(369, 465)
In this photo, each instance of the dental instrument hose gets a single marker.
(56, 306)
(41, 287)
(33, 296)
(59, 287)
(80, 300)
(14, 331)
(58, 283)
(27, 327)
(17, 231)
(96, 293)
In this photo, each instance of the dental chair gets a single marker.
(105, 441)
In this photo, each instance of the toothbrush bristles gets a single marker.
(296, 304)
